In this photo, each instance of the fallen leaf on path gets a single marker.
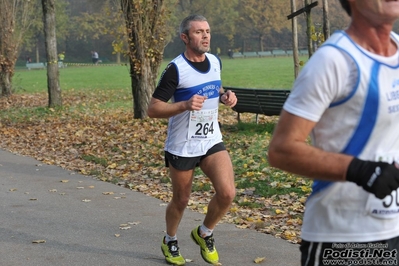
(40, 241)
(259, 260)
(124, 227)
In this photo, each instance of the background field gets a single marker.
(247, 73)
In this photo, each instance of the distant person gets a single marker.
(189, 94)
(94, 57)
(28, 59)
(218, 51)
(346, 100)
(61, 57)
(230, 54)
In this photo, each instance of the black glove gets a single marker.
(378, 178)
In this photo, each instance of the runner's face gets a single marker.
(199, 37)
(378, 10)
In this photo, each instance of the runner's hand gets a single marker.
(379, 178)
(195, 103)
(229, 98)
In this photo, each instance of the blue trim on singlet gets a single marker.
(355, 87)
(368, 118)
(212, 91)
(209, 89)
(364, 129)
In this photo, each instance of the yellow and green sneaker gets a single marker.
(172, 253)
(207, 244)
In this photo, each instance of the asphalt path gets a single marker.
(52, 216)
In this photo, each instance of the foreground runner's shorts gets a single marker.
(384, 252)
(188, 163)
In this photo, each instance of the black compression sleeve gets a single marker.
(167, 84)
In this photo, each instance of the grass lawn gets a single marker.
(276, 73)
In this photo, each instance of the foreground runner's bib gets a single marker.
(202, 123)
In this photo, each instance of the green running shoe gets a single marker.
(207, 244)
(172, 253)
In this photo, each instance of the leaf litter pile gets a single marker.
(108, 144)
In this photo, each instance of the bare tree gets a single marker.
(14, 21)
(326, 20)
(145, 23)
(309, 28)
(53, 83)
(295, 39)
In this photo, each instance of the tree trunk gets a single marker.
(260, 42)
(14, 21)
(142, 87)
(309, 29)
(37, 52)
(295, 40)
(6, 73)
(53, 83)
(5, 83)
(326, 20)
(146, 34)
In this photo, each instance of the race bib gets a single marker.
(387, 208)
(203, 124)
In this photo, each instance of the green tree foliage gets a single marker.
(105, 23)
(259, 18)
(84, 25)
(34, 36)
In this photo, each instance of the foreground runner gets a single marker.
(347, 99)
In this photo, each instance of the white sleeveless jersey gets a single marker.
(192, 134)
(353, 96)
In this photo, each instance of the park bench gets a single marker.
(303, 52)
(265, 54)
(250, 54)
(259, 101)
(35, 65)
(279, 53)
(237, 55)
(61, 65)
